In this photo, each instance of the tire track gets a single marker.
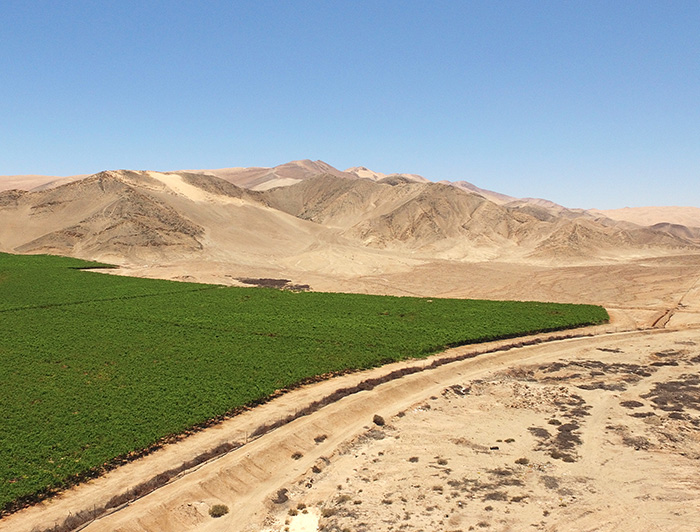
(662, 321)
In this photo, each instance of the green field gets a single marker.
(94, 366)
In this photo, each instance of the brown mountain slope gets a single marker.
(681, 231)
(365, 173)
(320, 224)
(582, 237)
(541, 208)
(496, 197)
(450, 223)
(335, 202)
(397, 212)
(435, 212)
(106, 214)
(155, 218)
(263, 178)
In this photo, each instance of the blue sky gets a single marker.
(586, 103)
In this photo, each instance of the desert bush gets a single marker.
(218, 510)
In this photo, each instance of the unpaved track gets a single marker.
(246, 479)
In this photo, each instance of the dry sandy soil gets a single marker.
(689, 216)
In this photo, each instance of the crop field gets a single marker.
(94, 367)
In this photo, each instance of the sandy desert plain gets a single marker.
(590, 429)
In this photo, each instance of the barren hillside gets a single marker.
(263, 178)
(324, 224)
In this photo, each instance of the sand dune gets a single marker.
(35, 182)
(688, 216)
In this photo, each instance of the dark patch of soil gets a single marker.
(279, 284)
(501, 472)
(281, 497)
(496, 496)
(638, 442)
(676, 395)
(596, 365)
(539, 432)
(457, 389)
(579, 412)
(376, 434)
(562, 446)
(668, 353)
(600, 385)
(631, 404)
(551, 483)
(661, 363)
(566, 439)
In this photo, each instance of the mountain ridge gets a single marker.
(287, 174)
(142, 216)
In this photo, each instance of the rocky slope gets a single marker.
(138, 216)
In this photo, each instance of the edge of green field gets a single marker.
(95, 368)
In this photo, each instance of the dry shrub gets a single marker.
(218, 510)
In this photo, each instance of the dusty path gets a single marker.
(687, 301)
(249, 478)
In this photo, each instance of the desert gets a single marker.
(586, 429)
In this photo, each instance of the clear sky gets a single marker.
(585, 103)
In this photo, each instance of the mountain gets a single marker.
(141, 218)
(110, 213)
(678, 230)
(365, 173)
(448, 222)
(328, 223)
(488, 194)
(262, 178)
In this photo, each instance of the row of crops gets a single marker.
(94, 366)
